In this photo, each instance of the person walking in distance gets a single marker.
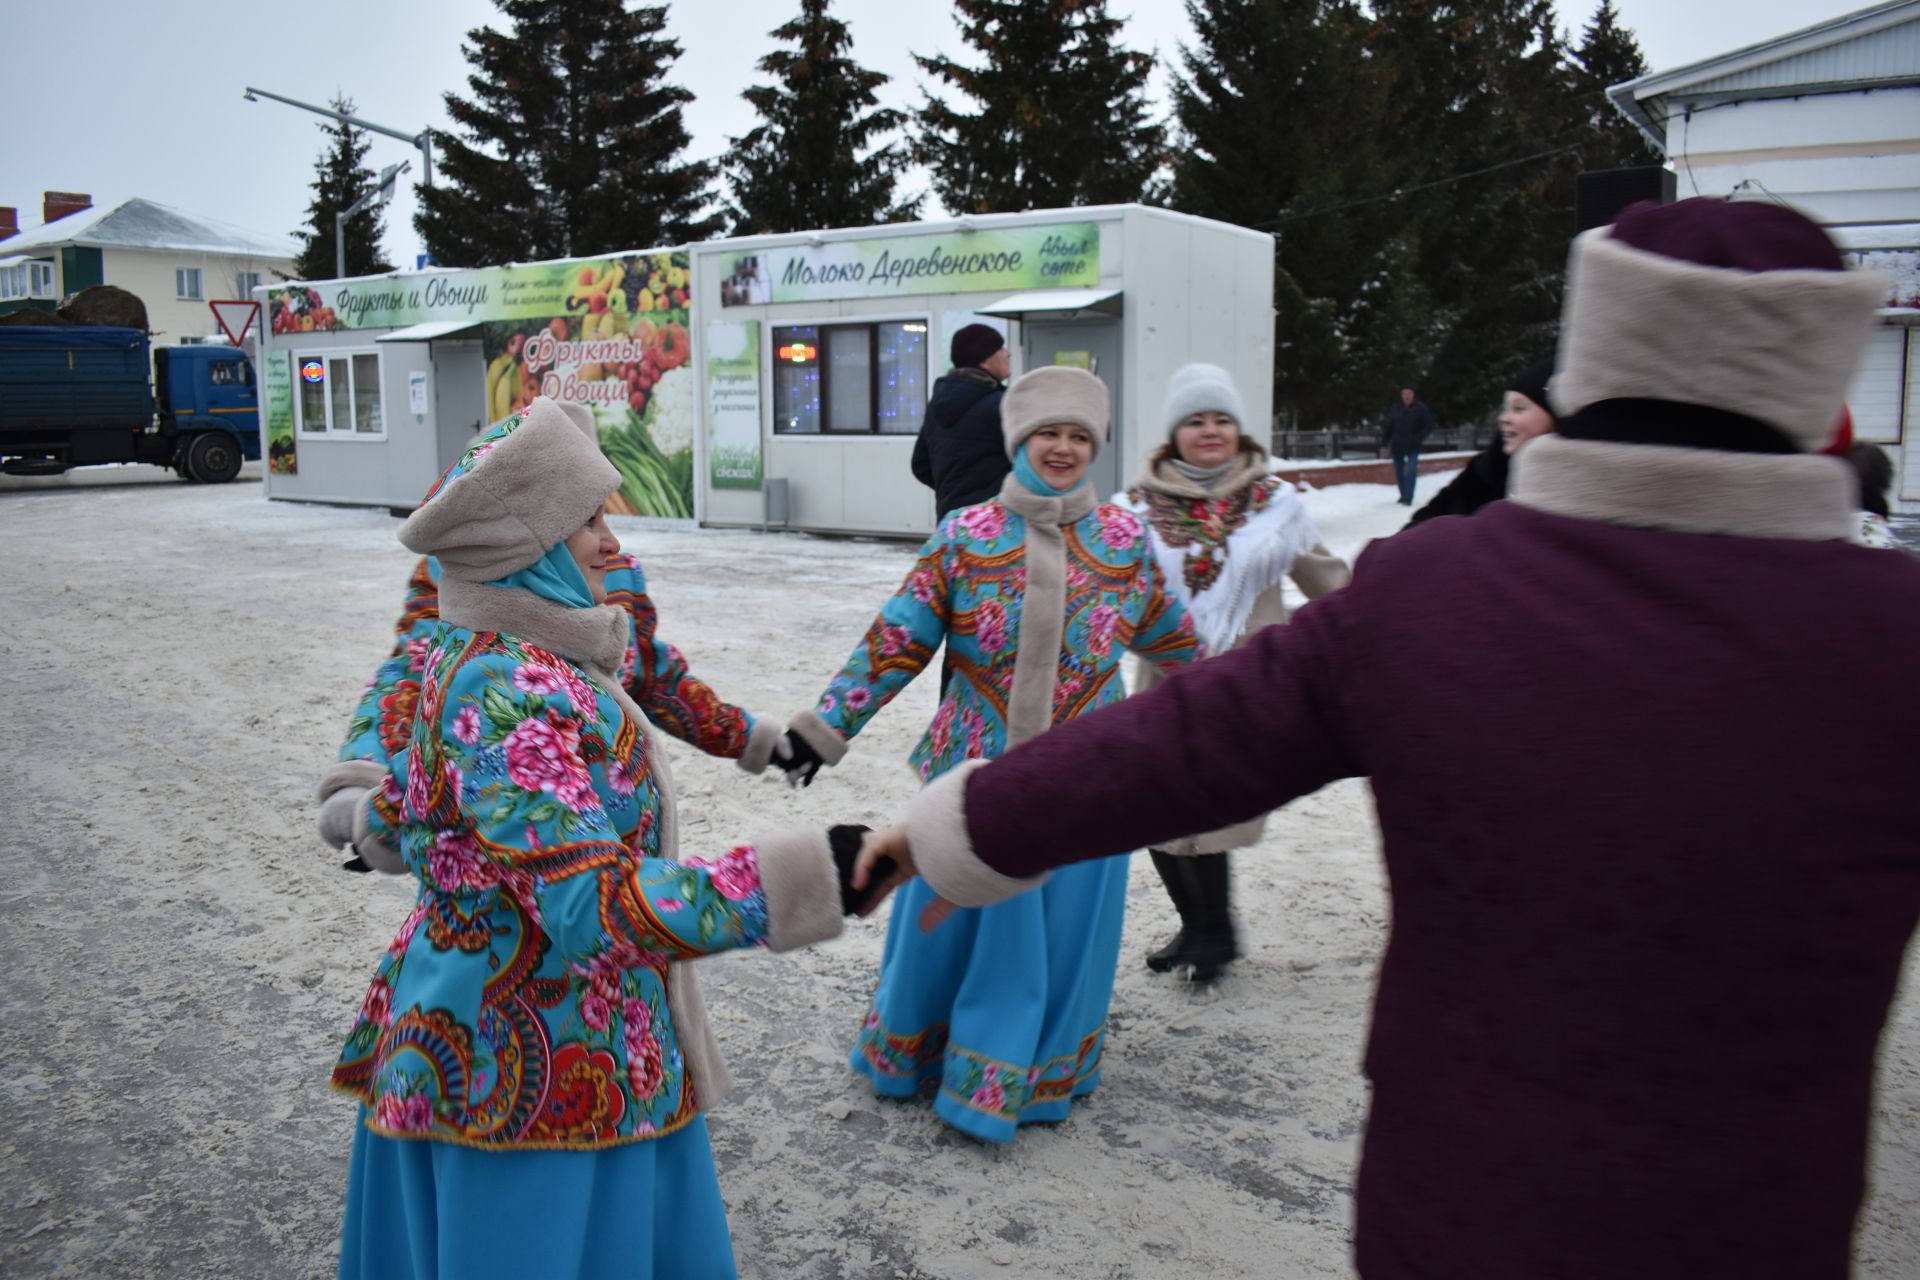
(1405, 427)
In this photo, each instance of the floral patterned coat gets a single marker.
(523, 1002)
(655, 674)
(968, 588)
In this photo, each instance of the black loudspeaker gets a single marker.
(1600, 196)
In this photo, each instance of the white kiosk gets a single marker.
(816, 351)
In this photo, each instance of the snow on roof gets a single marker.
(1875, 46)
(144, 224)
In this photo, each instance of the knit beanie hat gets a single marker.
(1741, 306)
(1531, 382)
(1054, 394)
(973, 344)
(1196, 388)
(521, 488)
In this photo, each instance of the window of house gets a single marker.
(338, 393)
(850, 379)
(27, 280)
(186, 283)
(245, 283)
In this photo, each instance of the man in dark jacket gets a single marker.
(961, 454)
(1407, 424)
(1626, 1018)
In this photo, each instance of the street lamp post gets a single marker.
(422, 139)
(381, 193)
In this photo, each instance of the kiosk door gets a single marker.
(459, 397)
(1093, 345)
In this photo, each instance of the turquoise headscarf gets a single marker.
(555, 576)
(1027, 474)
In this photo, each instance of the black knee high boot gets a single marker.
(1180, 887)
(1211, 944)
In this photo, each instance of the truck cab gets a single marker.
(207, 401)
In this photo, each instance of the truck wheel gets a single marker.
(213, 458)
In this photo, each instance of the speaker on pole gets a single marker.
(1602, 194)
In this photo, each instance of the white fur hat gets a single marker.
(1741, 306)
(520, 489)
(1054, 394)
(1196, 388)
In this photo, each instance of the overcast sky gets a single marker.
(133, 98)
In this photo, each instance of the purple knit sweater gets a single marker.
(1626, 1018)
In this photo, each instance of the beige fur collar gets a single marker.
(1162, 477)
(1745, 495)
(593, 637)
(1043, 603)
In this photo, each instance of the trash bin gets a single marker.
(777, 512)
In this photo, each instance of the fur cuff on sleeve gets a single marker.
(365, 774)
(802, 888)
(942, 853)
(818, 734)
(374, 851)
(760, 744)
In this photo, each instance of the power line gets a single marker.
(1424, 186)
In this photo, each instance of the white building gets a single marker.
(173, 262)
(1826, 119)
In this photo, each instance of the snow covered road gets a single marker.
(182, 955)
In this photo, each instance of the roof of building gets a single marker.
(1875, 47)
(143, 224)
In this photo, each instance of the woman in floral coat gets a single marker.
(653, 672)
(1226, 534)
(532, 1057)
(1036, 594)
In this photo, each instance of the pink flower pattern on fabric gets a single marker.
(985, 522)
(543, 754)
(736, 874)
(1118, 529)
(466, 725)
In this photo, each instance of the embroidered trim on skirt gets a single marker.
(1006, 1006)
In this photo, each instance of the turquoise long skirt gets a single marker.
(1006, 1006)
(424, 1210)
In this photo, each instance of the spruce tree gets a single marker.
(1488, 134)
(1279, 130)
(572, 140)
(803, 166)
(1609, 54)
(341, 178)
(1059, 112)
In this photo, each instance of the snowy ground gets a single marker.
(182, 956)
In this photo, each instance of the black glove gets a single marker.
(845, 841)
(799, 761)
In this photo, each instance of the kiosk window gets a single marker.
(339, 393)
(850, 379)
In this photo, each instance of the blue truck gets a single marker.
(77, 395)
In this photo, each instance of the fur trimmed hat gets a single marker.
(1196, 388)
(1054, 394)
(521, 488)
(973, 343)
(1740, 306)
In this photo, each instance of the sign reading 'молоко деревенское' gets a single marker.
(948, 262)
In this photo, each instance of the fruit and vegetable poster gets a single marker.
(609, 333)
(1061, 254)
(733, 404)
(276, 389)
